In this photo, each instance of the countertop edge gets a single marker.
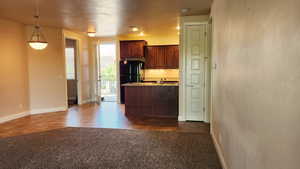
(150, 85)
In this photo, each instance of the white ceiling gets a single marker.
(107, 17)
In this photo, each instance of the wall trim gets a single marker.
(50, 110)
(86, 101)
(219, 150)
(13, 117)
(181, 118)
(70, 35)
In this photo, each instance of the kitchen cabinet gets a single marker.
(172, 57)
(132, 49)
(152, 101)
(162, 57)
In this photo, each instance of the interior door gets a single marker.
(195, 71)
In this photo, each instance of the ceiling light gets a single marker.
(91, 34)
(141, 34)
(134, 28)
(185, 10)
(37, 40)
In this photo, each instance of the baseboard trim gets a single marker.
(13, 117)
(41, 111)
(87, 101)
(219, 151)
(181, 118)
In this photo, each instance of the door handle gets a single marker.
(189, 85)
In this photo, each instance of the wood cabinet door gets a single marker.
(124, 50)
(154, 58)
(138, 49)
(172, 58)
(132, 49)
(162, 57)
(150, 58)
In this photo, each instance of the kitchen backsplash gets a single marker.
(158, 74)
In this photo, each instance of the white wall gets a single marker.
(256, 110)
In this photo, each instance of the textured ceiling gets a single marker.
(107, 17)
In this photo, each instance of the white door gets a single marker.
(195, 52)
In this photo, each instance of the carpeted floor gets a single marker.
(90, 148)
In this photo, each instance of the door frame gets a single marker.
(213, 67)
(97, 74)
(117, 48)
(78, 69)
(191, 21)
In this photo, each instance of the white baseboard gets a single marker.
(13, 117)
(181, 118)
(219, 151)
(87, 101)
(40, 111)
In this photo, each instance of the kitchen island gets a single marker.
(151, 100)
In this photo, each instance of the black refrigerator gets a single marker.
(130, 72)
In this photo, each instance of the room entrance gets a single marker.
(71, 71)
(196, 72)
(107, 76)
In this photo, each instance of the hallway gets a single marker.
(107, 115)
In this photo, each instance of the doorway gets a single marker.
(196, 72)
(107, 72)
(71, 71)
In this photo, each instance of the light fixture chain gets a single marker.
(37, 8)
(37, 41)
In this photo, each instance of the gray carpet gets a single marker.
(89, 148)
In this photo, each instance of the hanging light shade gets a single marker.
(37, 40)
(91, 34)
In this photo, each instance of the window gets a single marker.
(70, 59)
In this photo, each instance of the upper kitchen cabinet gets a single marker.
(172, 57)
(132, 49)
(162, 57)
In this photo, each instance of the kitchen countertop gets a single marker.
(150, 84)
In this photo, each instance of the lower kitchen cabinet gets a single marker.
(152, 101)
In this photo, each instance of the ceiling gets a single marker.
(107, 17)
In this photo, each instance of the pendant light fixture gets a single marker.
(37, 40)
(92, 34)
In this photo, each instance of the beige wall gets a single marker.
(47, 72)
(256, 108)
(13, 69)
(35, 81)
